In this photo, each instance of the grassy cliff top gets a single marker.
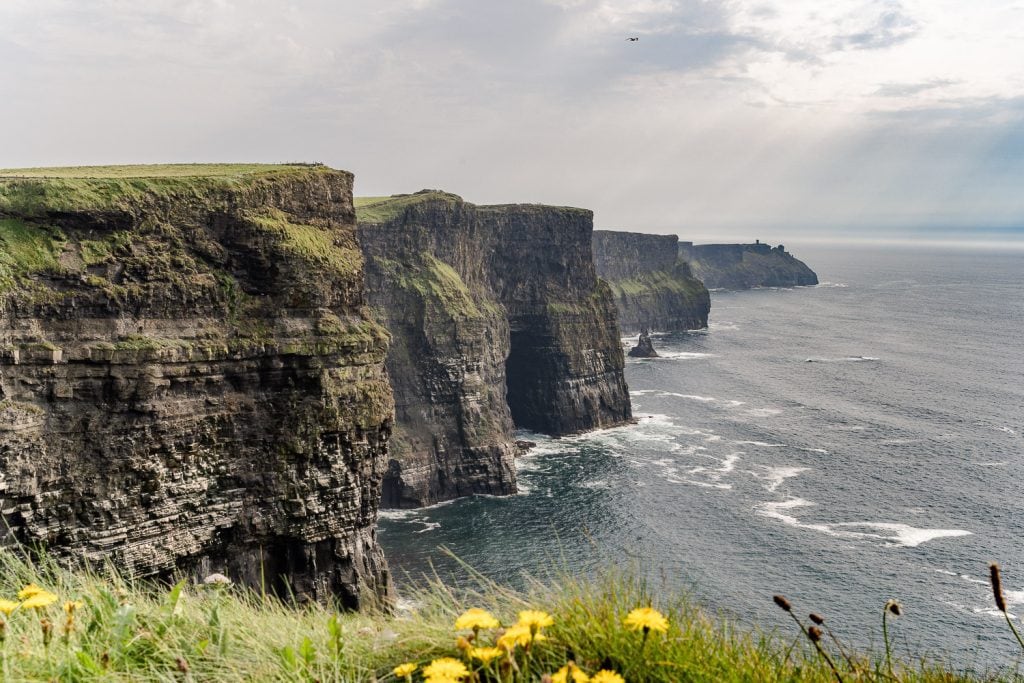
(36, 192)
(153, 171)
(383, 209)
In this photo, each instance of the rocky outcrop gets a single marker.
(743, 266)
(498, 321)
(652, 287)
(189, 380)
(644, 347)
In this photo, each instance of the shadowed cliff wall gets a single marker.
(499, 321)
(652, 287)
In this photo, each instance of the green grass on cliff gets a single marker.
(658, 281)
(123, 630)
(151, 171)
(26, 249)
(34, 192)
(383, 209)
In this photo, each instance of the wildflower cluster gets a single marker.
(32, 598)
(495, 653)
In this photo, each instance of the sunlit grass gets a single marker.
(112, 629)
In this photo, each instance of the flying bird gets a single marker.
(633, 39)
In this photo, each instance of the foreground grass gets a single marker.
(125, 631)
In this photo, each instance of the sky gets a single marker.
(727, 119)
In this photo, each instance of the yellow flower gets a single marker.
(535, 619)
(71, 605)
(404, 670)
(29, 590)
(646, 619)
(476, 619)
(520, 634)
(485, 654)
(39, 600)
(570, 673)
(8, 606)
(445, 669)
(605, 676)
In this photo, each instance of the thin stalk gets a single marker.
(885, 637)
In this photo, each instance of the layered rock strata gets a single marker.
(652, 287)
(498, 321)
(744, 266)
(189, 380)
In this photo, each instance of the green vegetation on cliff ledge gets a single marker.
(32, 192)
(81, 627)
(656, 280)
(383, 209)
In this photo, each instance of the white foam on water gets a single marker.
(427, 526)
(992, 464)
(814, 450)
(763, 444)
(1007, 430)
(682, 355)
(902, 535)
(777, 476)
(830, 285)
(764, 412)
(844, 359)
(596, 484)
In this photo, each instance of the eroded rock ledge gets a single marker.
(189, 380)
(498, 321)
(653, 288)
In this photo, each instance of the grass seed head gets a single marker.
(814, 633)
(894, 608)
(783, 603)
(816, 618)
(997, 586)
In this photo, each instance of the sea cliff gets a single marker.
(653, 288)
(498, 321)
(189, 377)
(743, 266)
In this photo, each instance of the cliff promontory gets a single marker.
(498, 321)
(743, 266)
(189, 379)
(653, 288)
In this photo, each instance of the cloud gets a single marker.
(725, 114)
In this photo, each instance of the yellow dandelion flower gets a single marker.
(404, 670)
(445, 669)
(514, 635)
(535, 619)
(71, 605)
(476, 619)
(8, 606)
(646, 619)
(39, 600)
(485, 654)
(29, 590)
(605, 676)
(570, 673)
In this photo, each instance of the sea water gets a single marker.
(840, 444)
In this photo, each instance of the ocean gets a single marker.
(840, 444)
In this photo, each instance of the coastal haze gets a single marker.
(841, 444)
(726, 121)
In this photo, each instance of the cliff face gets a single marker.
(742, 266)
(498, 321)
(652, 287)
(189, 378)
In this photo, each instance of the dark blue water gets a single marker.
(841, 444)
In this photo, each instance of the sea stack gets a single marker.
(644, 348)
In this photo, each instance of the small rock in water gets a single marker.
(524, 445)
(644, 347)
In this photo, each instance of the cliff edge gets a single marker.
(743, 266)
(189, 380)
(498, 321)
(653, 288)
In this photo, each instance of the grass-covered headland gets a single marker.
(79, 626)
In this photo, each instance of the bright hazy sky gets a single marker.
(727, 118)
